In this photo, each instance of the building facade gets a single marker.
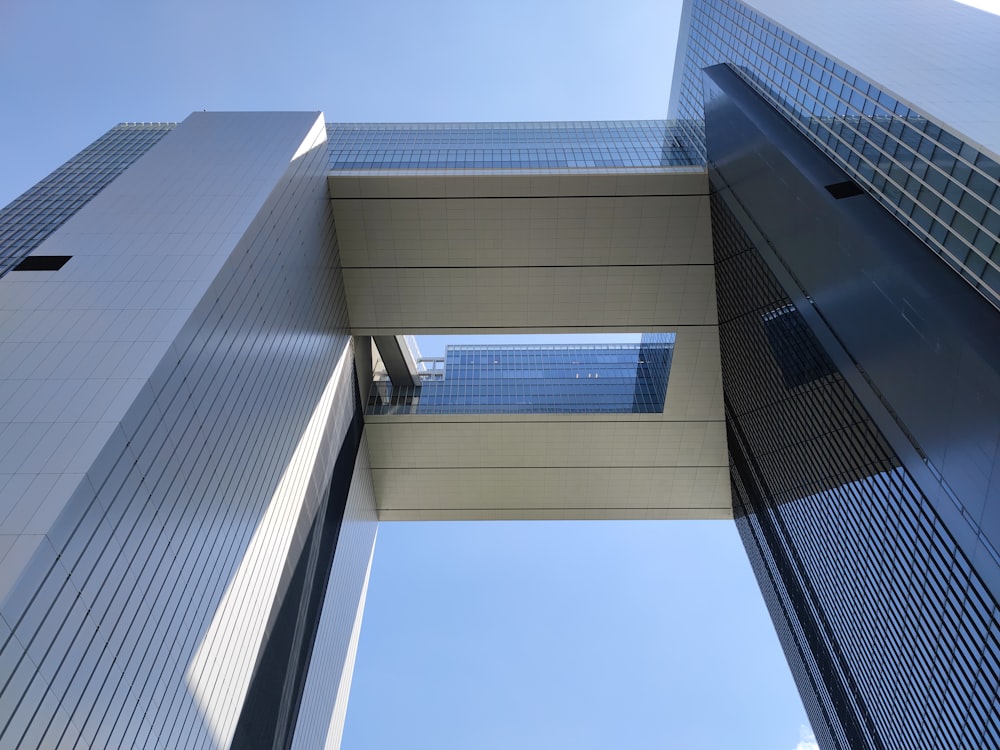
(859, 372)
(534, 379)
(191, 481)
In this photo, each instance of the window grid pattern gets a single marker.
(538, 379)
(628, 144)
(29, 219)
(891, 635)
(942, 189)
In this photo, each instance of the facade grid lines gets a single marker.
(890, 631)
(946, 191)
(639, 144)
(32, 217)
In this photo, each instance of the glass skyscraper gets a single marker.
(874, 544)
(207, 401)
(938, 185)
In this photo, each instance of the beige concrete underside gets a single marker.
(567, 253)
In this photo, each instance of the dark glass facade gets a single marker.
(892, 637)
(538, 379)
(617, 145)
(943, 189)
(34, 215)
(879, 569)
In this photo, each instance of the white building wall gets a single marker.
(328, 686)
(174, 399)
(912, 49)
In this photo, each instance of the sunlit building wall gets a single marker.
(190, 486)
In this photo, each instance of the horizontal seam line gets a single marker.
(510, 197)
(521, 508)
(550, 466)
(609, 328)
(561, 419)
(575, 265)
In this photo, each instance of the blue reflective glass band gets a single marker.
(538, 379)
(627, 144)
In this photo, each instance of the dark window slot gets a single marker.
(846, 189)
(42, 263)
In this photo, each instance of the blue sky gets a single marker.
(579, 635)
(68, 71)
(568, 635)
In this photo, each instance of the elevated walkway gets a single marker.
(467, 252)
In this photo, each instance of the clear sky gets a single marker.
(542, 635)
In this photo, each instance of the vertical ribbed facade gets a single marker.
(204, 297)
(327, 688)
(893, 639)
(878, 581)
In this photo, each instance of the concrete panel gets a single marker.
(560, 231)
(568, 441)
(545, 494)
(487, 253)
(529, 299)
(612, 466)
(554, 252)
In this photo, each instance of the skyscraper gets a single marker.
(190, 484)
(860, 371)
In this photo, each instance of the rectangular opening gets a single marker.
(42, 263)
(846, 189)
(535, 374)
